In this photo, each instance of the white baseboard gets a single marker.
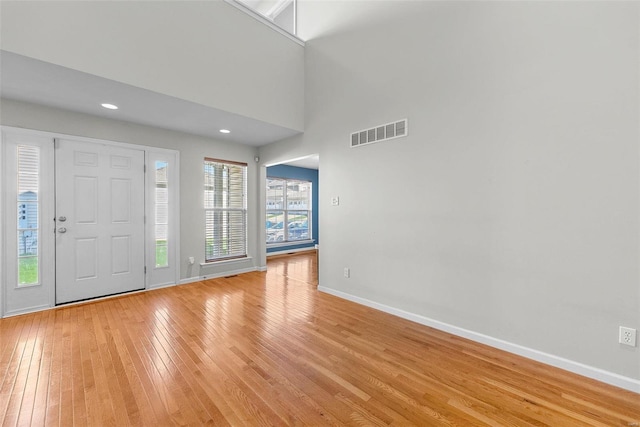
(218, 275)
(539, 356)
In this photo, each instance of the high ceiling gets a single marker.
(30, 80)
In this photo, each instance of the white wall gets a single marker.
(512, 208)
(206, 52)
(193, 150)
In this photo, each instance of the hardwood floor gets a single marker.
(269, 349)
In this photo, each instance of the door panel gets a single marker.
(120, 197)
(120, 254)
(86, 253)
(100, 220)
(86, 199)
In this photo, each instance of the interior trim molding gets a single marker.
(598, 374)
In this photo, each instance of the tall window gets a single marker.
(28, 204)
(225, 205)
(161, 214)
(288, 210)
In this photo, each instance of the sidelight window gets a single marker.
(161, 214)
(28, 210)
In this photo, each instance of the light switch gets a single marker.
(335, 201)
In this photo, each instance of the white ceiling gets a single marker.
(30, 80)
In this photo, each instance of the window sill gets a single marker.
(293, 243)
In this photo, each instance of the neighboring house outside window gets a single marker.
(288, 210)
(225, 204)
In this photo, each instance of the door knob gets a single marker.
(62, 218)
(62, 230)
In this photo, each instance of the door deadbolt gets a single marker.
(62, 218)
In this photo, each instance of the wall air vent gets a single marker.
(380, 133)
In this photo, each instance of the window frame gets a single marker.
(226, 210)
(25, 211)
(285, 211)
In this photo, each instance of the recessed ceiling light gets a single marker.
(110, 106)
(225, 131)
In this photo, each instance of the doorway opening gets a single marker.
(292, 207)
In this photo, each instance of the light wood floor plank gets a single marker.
(41, 393)
(267, 349)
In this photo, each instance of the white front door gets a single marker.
(99, 220)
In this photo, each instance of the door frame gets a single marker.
(154, 278)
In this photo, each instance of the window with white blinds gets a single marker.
(28, 214)
(162, 214)
(225, 205)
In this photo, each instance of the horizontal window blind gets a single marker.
(225, 204)
(162, 214)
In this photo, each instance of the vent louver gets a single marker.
(380, 133)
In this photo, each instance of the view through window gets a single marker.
(288, 210)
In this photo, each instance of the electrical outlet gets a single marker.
(627, 336)
(335, 201)
(347, 272)
(191, 260)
